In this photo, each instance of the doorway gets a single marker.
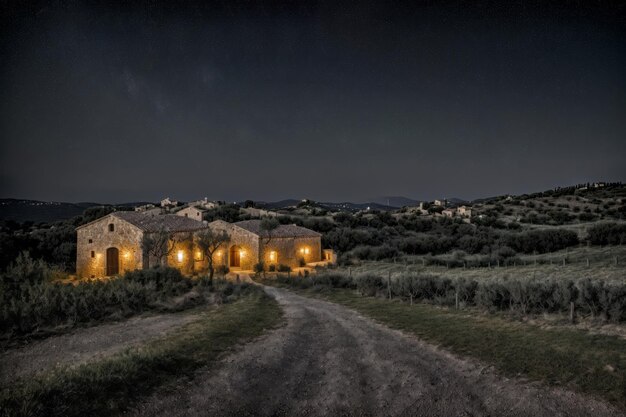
(234, 256)
(113, 261)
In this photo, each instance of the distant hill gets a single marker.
(396, 201)
(20, 210)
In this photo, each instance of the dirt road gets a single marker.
(330, 361)
(86, 344)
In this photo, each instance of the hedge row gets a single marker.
(594, 298)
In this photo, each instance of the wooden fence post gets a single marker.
(456, 297)
(350, 272)
(571, 312)
(587, 262)
(563, 261)
(389, 284)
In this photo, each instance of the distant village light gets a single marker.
(180, 256)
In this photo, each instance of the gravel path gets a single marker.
(83, 345)
(329, 360)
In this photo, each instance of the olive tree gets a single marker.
(208, 242)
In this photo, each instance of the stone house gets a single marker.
(449, 212)
(192, 212)
(286, 245)
(464, 211)
(112, 245)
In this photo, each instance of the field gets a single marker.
(602, 265)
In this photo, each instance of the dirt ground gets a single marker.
(330, 361)
(83, 345)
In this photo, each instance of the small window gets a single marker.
(93, 254)
(186, 215)
(198, 256)
(111, 227)
(90, 240)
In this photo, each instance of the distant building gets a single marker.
(449, 212)
(145, 207)
(205, 203)
(167, 202)
(464, 211)
(440, 203)
(192, 212)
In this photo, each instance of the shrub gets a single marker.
(222, 270)
(369, 284)
(607, 234)
(259, 267)
(284, 268)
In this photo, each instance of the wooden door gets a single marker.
(235, 257)
(113, 261)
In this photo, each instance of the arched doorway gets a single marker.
(113, 261)
(234, 256)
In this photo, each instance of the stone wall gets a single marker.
(246, 241)
(97, 238)
(290, 250)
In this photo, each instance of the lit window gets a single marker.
(111, 227)
(273, 256)
(180, 256)
(199, 256)
(93, 254)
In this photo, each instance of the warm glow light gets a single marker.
(126, 255)
(242, 253)
(306, 251)
(199, 256)
(179, 256)
(273, 256)
(219, 253)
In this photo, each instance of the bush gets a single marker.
(30, 306)
(284, 268)
(259, 267)
(607, 234)
(369, 284)
(222, 270)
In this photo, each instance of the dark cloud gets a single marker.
(327, 100)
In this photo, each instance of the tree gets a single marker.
(159, 244)
(269, 224)
(209, 241)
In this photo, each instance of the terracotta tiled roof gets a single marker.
(283, 230)
(166, 222)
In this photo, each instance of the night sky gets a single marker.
(330, 101)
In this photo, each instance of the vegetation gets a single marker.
(209, 242)
(30, 303)
(594, 298)
(110, 386)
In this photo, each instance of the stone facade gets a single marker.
(94, 240)
(192, 212)
(111, 245)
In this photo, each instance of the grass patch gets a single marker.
(594, 364)
(109, 386)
